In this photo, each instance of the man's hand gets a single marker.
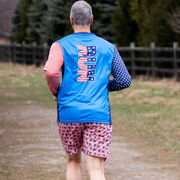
(55, 98)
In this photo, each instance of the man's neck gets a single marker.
(78, 29)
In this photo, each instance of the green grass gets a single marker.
(148, 110)
(27, 82)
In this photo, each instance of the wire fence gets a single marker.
(152, 60)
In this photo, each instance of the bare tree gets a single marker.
(7, 8)
(174, 20)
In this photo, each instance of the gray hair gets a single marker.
(81, 13)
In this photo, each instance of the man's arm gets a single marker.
(121, 76)
(52, 68)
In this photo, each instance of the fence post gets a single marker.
(9, 53)
(175, 45)
(152, 46)
(34, 53)
(12, 53)
(23, 53)
(45, 52)
(132, 46)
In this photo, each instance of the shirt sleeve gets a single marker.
(120, 73)
(52, 68)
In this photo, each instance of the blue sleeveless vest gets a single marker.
(83, 94)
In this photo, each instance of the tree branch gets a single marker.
(174, 20)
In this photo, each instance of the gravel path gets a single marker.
(30, 148)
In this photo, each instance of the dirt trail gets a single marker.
(30, 148)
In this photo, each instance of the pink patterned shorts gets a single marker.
(92, 138)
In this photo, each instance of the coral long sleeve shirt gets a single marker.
(52, 68)
(55, 61)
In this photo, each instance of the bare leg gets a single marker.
(74, 167)
(95, 168)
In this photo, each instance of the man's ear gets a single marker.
(71, 21)
(92, 19)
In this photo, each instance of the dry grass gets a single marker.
(147, 112)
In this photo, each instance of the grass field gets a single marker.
(150, 109)
(147, 112)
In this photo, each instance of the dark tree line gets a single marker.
(118, 21)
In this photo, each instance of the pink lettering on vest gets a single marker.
(86, 64)
(81, 63)
(83, 78)
(83, 50)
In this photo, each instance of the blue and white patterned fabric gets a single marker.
(121, 76)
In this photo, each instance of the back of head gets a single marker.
(81, 13)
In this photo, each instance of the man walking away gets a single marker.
(84, 117)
